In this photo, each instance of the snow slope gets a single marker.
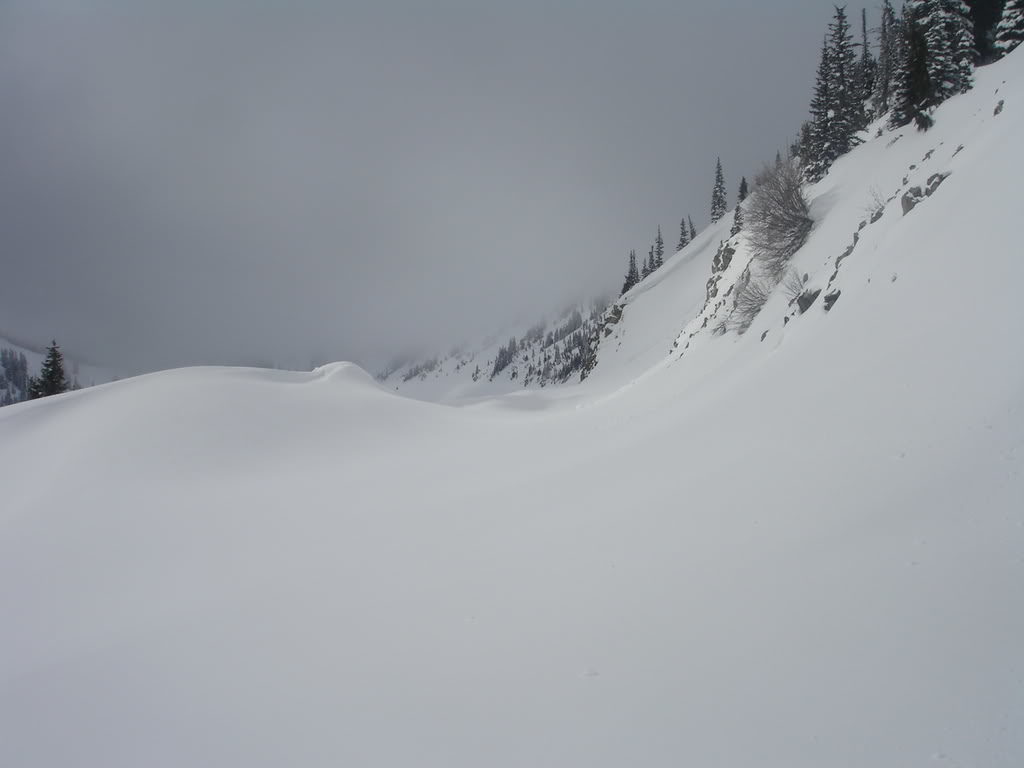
(802, 551)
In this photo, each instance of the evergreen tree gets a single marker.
(817, 147)
(51, 380)
(912, 89)
(648, 264)
(1010, 30)
(632, 274)
(718, 201)
(866, 67)
(659, 249)
(684, 235)
(743, 192)
(964, 51)
(737, 220)
(693, 229)
(888, 57)
(847, 107)
(949, 36)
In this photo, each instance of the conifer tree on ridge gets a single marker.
(718, 201)
(51, 379)
(684, 235)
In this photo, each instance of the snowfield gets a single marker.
(801, 551)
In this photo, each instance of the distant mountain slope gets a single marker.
(548, 352)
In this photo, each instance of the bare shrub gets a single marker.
(876, 204)
(752, 292)
(792, 284)
(778, 220)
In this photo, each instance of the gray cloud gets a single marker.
(223, 182)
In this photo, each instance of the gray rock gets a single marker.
(934, 181)
(911, 198)
(806, 299)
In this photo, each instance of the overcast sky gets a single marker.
(187, 182)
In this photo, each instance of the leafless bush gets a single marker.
(876, 204)
(752, 292)
(777, 217)
(792, 284)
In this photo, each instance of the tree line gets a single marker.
(901, 70)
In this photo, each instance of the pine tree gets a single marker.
(693, 229)
(1010, 30)
(847, 108)
(632, 275)
(684, 235)
(743, 192)
(51, 380)
(964, 52)
(818, 149)
(659, 249)
(949, 37)
(866, 67)
(648, 264)
(737, 220)
(888, 57)
(718, 201)
(912, 92)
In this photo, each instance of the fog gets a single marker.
(290, 183)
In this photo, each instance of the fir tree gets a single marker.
(693, 229)
(888, 57)
(737, 220)
(743, 192)
(949, 37)
(847, 108)
(718, 201)
(912, 89)
(817, 148)
(659, 250)
(1010, 30)
(648, 264)
(51, 380)
(684, 235)
(632, 274)
(866, 67)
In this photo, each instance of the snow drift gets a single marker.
(801, 546)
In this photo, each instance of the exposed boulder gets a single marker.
(806, 299)
(911, 198)
(933, 182)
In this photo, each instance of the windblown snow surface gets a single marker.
(801, 551)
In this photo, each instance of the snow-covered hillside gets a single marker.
(802, 546)
(538, 355)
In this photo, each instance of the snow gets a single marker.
(804, 551)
